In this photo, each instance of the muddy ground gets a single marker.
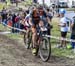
(13, 53)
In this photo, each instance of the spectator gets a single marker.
(0, 18)
(4, 17)
(13, 21)
(22, 20)
(16, 3)
(49, 14)
(73, 32)
(63, 27)
(9, 19)
(17, 22)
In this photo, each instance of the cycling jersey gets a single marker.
(35, 18)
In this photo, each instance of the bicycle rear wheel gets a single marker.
(45, 49)
(27, 41)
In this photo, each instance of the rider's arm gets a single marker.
(25, 20)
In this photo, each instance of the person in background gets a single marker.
(73, 32)
(9, 19)
(17, 22)
(13, 21)
(0, 18)
(49, 17)
(16, 3)
(4, 17)
(49, 14)
(23, 15)
(63, 27)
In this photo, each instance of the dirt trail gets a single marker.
(13, 53)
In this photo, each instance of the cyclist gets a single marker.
(34, 19)
(38, 17)
(44, 16)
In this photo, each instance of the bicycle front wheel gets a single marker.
(45, 49)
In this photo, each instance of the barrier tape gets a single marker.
(13, 27)
(49, 36)
(60, 38)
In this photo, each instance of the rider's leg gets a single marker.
(35, 43)
(27, 33)
(34, 36)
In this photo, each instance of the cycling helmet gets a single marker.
(40, 7)
(62, 11)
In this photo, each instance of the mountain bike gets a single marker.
(44, 50)
(44, 46)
